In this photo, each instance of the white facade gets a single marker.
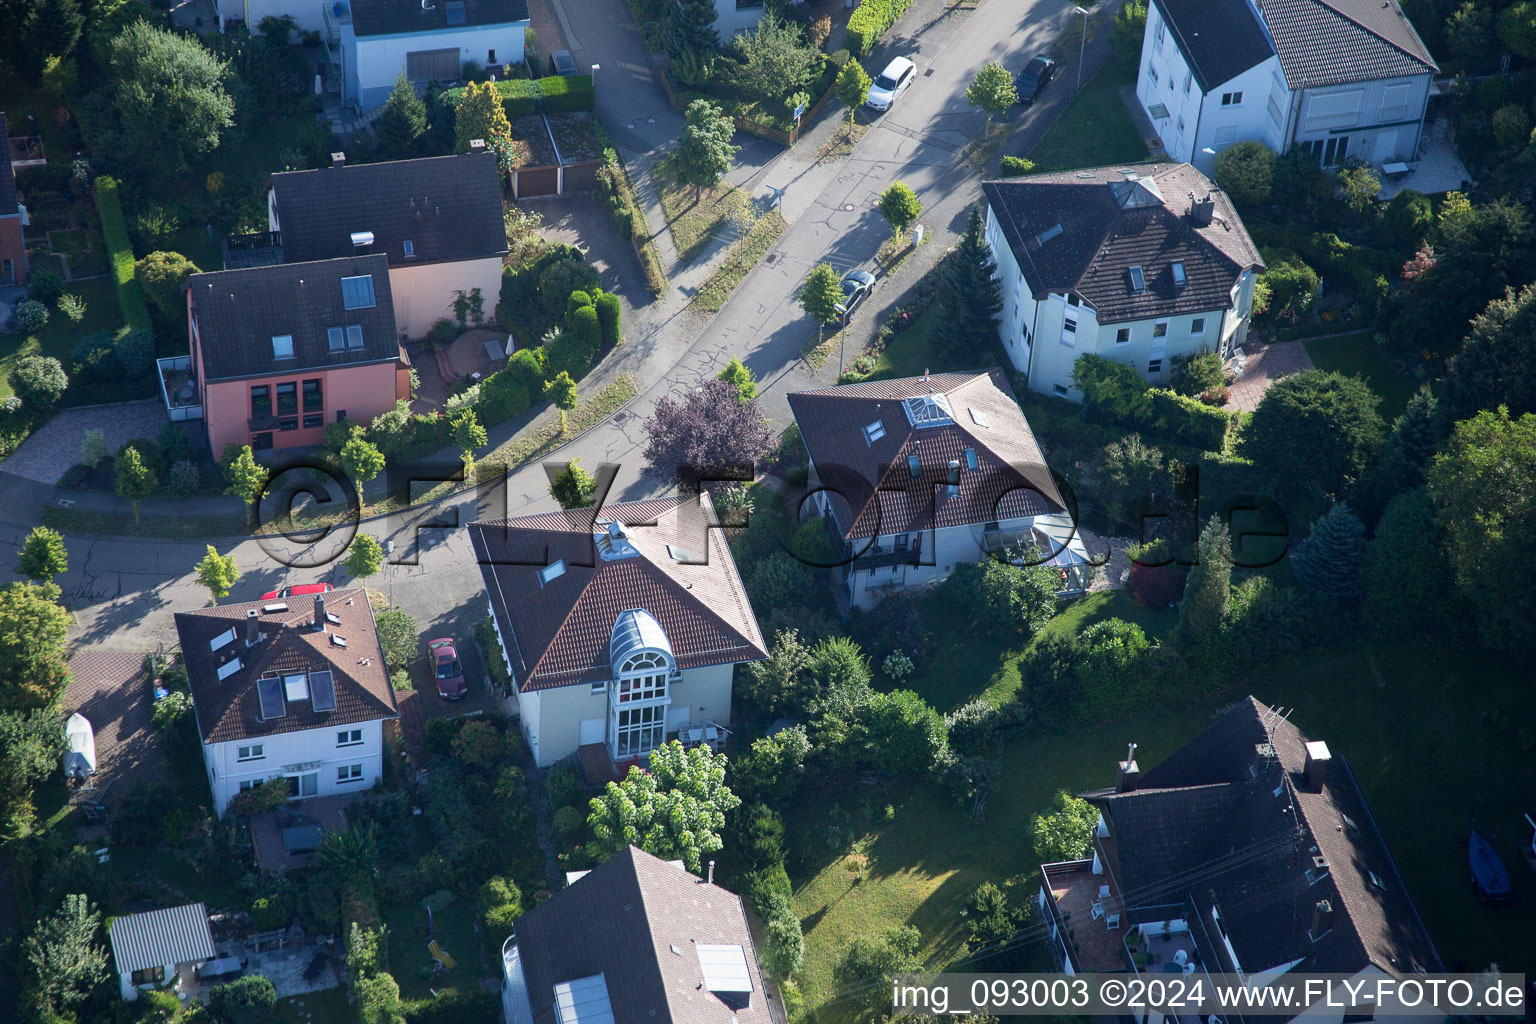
(732, 16)
(1045, 337)
(371, 63)
(320, 762)
(1377, 121)
(307, 15)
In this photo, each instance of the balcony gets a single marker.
(337, 14)
(254, 249)
(178, 387)
(877, 557)
(1159, 952)
(1074, 889)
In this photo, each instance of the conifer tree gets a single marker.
(403, 121)
(1329, 560)
(973, 296)
(1208, 591)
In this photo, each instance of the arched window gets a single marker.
(642, 676)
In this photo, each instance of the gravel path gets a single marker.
(55, 447)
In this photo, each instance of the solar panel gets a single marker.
(223, 638)
(228, 669)
(322, 691)
(270, 692)
(725, 968)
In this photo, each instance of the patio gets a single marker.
(285, 839)
(1075, 888)
(294, 969)
(1265, 364)
(1436, 169)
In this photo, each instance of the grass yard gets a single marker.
(1359, 355)
(695, 218)
(744, 255)
(911, 350)
(1096, 129)
(409, 960)
(60, 334)
(327, 1005)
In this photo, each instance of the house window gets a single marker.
(1152, 73)
(490, 56)
(1123, 336)
(247, 785)
(1138, 280)
(1154, 367)
(598, 688)
(7, 271)
(1335, 151)
(639, 730)
(357, 292)
(282, 346)
(1394, 103)
(651, 684)
(314, 397)
(261, 401)
(254, 752)
(1058, 390)
(1187, 79)
(354, 336)
(1073, 300)
(1197, 325)
(1157, 37)
(455, 12)
(432, 66)
(1160, 329)
(1231, 99)
(287, 397)
(261, 441)
(1179, 277)
(149, 976)
(349, 773)
(349, 737)
(1068, 330)
(335, 340)
(316, 419)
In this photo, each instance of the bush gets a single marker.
(1195, 374)
(1015, 166)
(1246, 172)
(442, 332)
(114, 230)
(568, 823)
(1408, 218)
(46, 283)
(247, 1000)
(561, 786)
(502, 397)
(1291, 283)
(563, 277)
(170, 711)
(31, 316)
(135, 351)
(39, 381)
(456, 1008)
(869, 22)
(608, 311)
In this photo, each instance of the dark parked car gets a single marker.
(446, 670)
(857, 284)
(1033, 78)
(562, 63)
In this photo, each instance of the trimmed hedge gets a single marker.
(1114, 392)
(870, 21)
(114, 229)
(614, 185)
(557, 94)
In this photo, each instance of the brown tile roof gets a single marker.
(1230, 822)
(238, 312)
(558, 634)
(229, 709)
(623, 921)
(873, 488)
(1331, 42)
(1080, 232)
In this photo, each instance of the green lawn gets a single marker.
(695, 217)
(1359, 355)
(328, 1005)
(409, 960)
(1095, 130)
(60, 334)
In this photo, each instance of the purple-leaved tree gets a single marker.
(706, 434)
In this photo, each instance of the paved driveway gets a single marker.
(112, 690)
(1267, 364)
(53, 448)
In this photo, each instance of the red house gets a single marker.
(13, 248)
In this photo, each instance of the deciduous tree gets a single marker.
(821, 294)
(573, 486)
(738, 376)
(1497, 363)
(244, 477)
(468, 434)
(361, 460)
(39, 381)
(992, 90)
(853, 84)
(398, 637)
(1064, 831)
(711, 434)
(1314, 433)
(218, 573)
(676, 807)
(32, 629)
(365, 557)
(900, 207)
(170, 97)
(43, 555)
(163, 276)
(1410, 589)
(134, 480)
(561, 391)
(704, 152)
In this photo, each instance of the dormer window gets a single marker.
(357, 292)
(874, 431)
(551, 572)
(1138, 280)
(914, 467)
(282, 346)
(1179, 278)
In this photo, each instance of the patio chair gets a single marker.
(441, 956)
(711, 734)
(1103, 892)
(1098, 910)
(1112, 922)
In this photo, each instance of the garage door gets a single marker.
(432, 65)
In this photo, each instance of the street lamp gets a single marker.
(1081, 45)
(595, 69)
(842, 333)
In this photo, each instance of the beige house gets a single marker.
(438, 221)
(619, 634)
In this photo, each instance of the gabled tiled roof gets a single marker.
(1330, 42)
(238, 312)
(8, 202)
(1097, 223)
(229, 709)
(558, 634)
(873, 491)
(447, 207)
(638, 921)
(402, 17)
(1229, 821)
(1219, 39)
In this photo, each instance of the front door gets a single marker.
(1386, 147)
(300, 786)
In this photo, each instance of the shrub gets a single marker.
(1014, 166)
(552, 95)
(608, 311)
(114, 230)
(1197, 373)
(869, 22)
(46, 283)
(563, 277)
(502, 396)
(135, 351)
(1156, 580)
(31, 316)
(1291, 283)
(568, 823)
(561, 786)
(39, 381)
(183, 479)
(1246, 172)
(169, 711)
(455, 1008)
(575, 301)
(247, 1000)
(442, 332)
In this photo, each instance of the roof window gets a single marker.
(551, 572)
(354, 336)
(296, 686)
(1179, 279)
(456, 12)
(1048, 234)
(223, 639)
(874, 431)
(357, 292)
(680, 554)
(335, 340)
(1376, 881)
(914, 467)
(410, 247)
(362, 239)
(272, 609)
(724, 968)
(228, 669)
(928, 410)
(338, 641)
(970, 459)
(1138, 280)
(980, 419)
(282, 346)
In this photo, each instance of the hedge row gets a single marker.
(557, 94)
(870, 21)
(1115, 392)
(619, 194)
(130, 295)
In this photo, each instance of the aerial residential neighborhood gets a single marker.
(766, 511)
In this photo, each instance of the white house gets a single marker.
(732, 16)
(437, 220)
(288, 690)
(919, 475)
(619, 633)
(1341, 78)
(1139, 264)
(428, 40)
(150, 950)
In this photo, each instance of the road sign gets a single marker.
(799, 110)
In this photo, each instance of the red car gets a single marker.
(297, 591)
(446, 670)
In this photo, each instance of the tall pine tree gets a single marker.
(690, 30)
(973, 296)
(1208, 591)
(1416, 435)
(52, 29)
(1328, 561)
(403, 121)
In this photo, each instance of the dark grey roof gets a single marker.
(1229, 821)
(1082, 231)
(238, 312)
(637, 921)
(1329, 42)
(8, 204)
(1220, 40)
(402, 17)
(447, 207)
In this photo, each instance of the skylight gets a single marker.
(928, 410)
(970, 459)
(1138, 280)
(550, 572)
(362, 239)
(335, 340)
(282, 346)
(228, 669)
(1048, 234)
(914, 467)
(680, 554)
(980, 418)
(354, 336)
(338, 641)
(278, 606)
(456, 12)
(410, 247)
(357, 292)
(583, 1001)
(226, 637)
(1178, 275)
(296, 686)
(874, 431)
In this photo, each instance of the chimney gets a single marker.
(1129, 773)
(320, 612)
(338, 159)
(954, 477)
(477, 145)
(711, 878)
(1202, 211)
(252, 627)
(1322, 919)
(1316, 769)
